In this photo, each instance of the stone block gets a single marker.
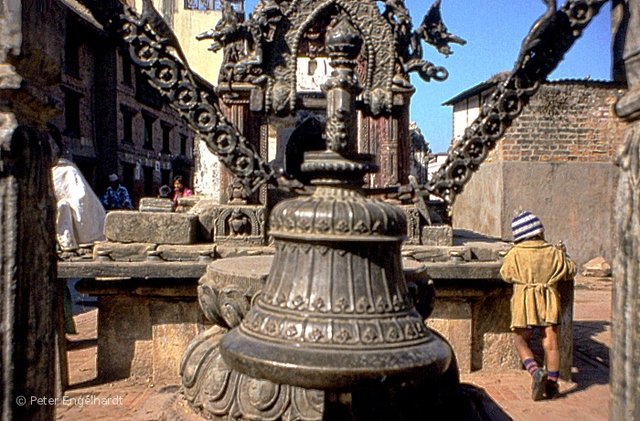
(453, 320)
(499, 352)
(493, 317)
(487, 252)
(185, 204)
(439, 254)
(175, 324)
(125, 347)
(207, 212)
(231, 251)
(153, 204)
(150, 227)
(437, 235)
(177, 253)
(414, 224)
(123, 252)
(597, 267)
(144, 336)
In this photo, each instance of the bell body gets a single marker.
(335, 312)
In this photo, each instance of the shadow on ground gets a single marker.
(590, 357)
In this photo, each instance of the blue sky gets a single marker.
(494, 30)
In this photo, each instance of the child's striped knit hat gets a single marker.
(526, 225)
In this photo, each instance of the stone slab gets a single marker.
(498, 351)
(150, 227)
(485, 251)
(435, 253)
(597, 267)
(125, 346)
(159, 269)
(144, 337)
(175, 324)
(235, 251)
(437, 235)
(123, 252)
(453, 320)
(173, 253)
(155, 204)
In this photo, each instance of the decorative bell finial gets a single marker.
(335, 311)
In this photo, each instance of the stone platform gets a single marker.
(148, 301)
(507, 391)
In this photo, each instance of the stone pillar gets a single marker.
(625, 346)
(235, 105)
(29, 293)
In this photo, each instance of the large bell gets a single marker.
(335, 311)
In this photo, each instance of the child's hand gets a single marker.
(560, 246)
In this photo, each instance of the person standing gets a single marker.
(79, 213)
(116, 196)
(535, 267)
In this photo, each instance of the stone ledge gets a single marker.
(131, 269)
(150, 227)
(123, 252)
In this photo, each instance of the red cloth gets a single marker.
(176, 194)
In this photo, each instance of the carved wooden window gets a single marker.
(165, 177)
(166, 137)
(72, 113)
(148, 181)
(183, 144)
(148, 131)
(72, 51)
(127, 124)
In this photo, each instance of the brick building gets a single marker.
(557, 160)
(111, 120)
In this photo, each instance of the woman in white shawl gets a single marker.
(80, 215)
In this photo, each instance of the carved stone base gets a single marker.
(420, 233)
(210, 386)
(239, 225)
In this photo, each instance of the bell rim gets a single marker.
(341, 238)
(333, 369)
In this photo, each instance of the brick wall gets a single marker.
(91, 96)
(556, 160)
(567, 121)
(133, 151)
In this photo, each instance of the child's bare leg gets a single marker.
(550, 345)
(523, 336)
(552, 353)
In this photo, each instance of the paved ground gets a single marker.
(587, 398)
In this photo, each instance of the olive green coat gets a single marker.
(535, 267)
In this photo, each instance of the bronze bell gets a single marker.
(335, 311)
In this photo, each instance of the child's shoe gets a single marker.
(538, 384)
(552, 389)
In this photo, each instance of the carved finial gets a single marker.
(343, 43)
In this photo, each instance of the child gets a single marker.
(534, 267)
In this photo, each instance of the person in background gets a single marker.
(116, 196)
(535, 267)
(79, 213)
(179, 189)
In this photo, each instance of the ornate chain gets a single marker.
(160, 58)
(543, 48)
